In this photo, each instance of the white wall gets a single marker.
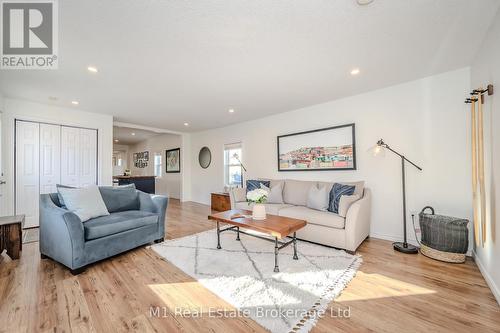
(485, 70)
(424, 119)
(186, 165)
(170, 183)
(19, 109)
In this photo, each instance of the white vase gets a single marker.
(259, 212)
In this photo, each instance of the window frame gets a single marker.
(155, 166)
(228, 147)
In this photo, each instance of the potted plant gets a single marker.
(258, 197)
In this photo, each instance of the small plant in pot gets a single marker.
(258, 197)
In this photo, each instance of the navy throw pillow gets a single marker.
(255, 184)
(336, 192)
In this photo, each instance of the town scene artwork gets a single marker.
(325, 149)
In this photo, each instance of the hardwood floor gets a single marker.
(391, 292)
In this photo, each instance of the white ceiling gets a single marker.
(125, 137)
(163, 63)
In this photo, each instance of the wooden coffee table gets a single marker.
(278, 227)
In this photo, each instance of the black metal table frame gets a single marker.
(277, 244)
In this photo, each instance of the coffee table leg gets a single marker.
(238, 233)
(276, 268)
(218, 236)
(295, 257)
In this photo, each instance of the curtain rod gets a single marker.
(479, 92)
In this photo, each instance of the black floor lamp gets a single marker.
(235, 155)
(399, 246)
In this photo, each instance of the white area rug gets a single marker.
(242, 274)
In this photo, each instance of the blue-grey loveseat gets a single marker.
(136, 218)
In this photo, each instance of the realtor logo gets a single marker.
(29, 34)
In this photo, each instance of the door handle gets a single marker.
(2, 182)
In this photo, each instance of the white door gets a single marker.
(27, 171)
(70, 156)
(88, 157)
(50, 157)
(2, 178)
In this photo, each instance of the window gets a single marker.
(158, 165)
(232, 166)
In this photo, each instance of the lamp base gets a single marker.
(405, 248)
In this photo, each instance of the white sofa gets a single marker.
(323, 227)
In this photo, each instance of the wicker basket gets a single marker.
(457, 258)
(444, 238)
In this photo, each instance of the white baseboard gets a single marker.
(393, 238)
(489, 281)
(410, 240)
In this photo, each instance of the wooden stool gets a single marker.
(11, 235)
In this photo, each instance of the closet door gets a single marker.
(50, 157)
(27, 171)
(70, 156)
(88, 157)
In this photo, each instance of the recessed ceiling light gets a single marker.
(364, 2)
(75, 102)
(355, 71)
(231, 110)
(92, 69)
(186, 124)
(132, 133)
(116, 140)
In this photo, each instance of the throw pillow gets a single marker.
(59, 196)
(275, 193)
(345, 202)
(337, 191)
(238, 194)
(85, 202)
(255, 184)
(120, 198)
(317, 198)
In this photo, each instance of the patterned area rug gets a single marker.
(242, 274)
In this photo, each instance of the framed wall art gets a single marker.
(173, 160)
(141, 159)
(331, 148)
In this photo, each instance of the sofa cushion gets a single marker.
(318, 217)
(275, 193)
(117, 222)
(239, 194)
(296, 192)
(272, 209)
(120, 198)
(275, 182)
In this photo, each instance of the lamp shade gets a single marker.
(377, 150)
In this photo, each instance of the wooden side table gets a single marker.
(11, 235)
(220, 202)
